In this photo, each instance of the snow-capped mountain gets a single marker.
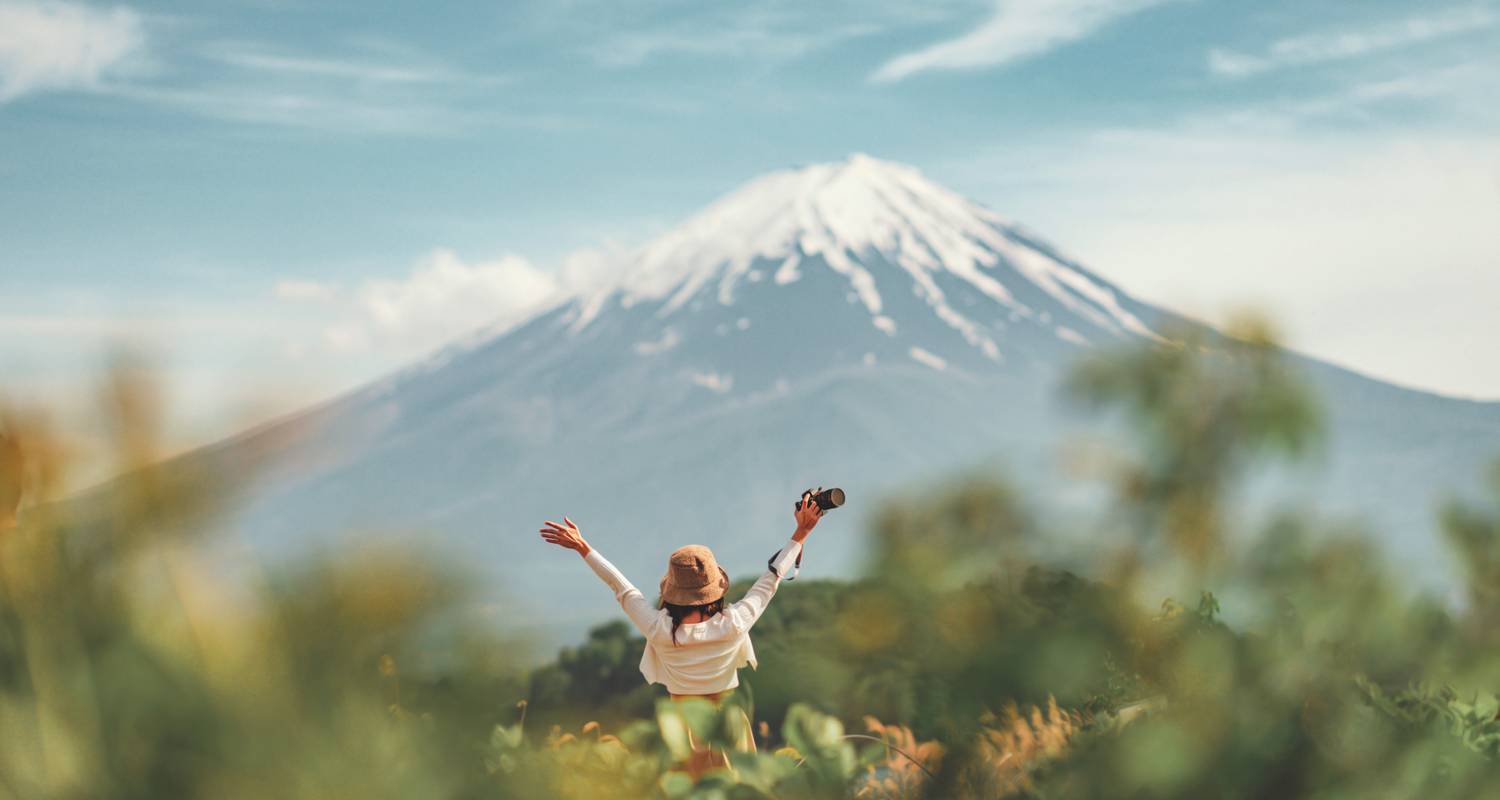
(850, 323)
(875, 224)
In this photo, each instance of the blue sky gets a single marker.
(277, 199)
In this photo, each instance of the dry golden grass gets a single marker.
(906, 765)
(1013, 745)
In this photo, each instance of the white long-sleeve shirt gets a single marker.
(707, 655)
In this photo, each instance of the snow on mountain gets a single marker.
(882, 227)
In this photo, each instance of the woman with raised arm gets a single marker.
(695, 644)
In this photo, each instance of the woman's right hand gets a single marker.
(566, 535)
(808, 514)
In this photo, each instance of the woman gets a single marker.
(695, 644)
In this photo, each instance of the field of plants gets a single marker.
(1188, 657)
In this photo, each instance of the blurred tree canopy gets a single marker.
(1200, 409)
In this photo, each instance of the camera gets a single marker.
(827, 499)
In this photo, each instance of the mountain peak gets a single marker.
(881, 225)
(835, 210)
(854, 206)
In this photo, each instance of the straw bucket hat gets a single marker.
(693, 577)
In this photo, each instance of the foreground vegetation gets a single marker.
(964, 664)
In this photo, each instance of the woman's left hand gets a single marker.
(565, 535)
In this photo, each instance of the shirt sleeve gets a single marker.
(636, 606)
(745, 612)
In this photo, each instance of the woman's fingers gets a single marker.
(561, 535)
(570, 527)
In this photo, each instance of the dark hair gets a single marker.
(678, 612)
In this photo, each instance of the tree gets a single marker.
(1198, 410)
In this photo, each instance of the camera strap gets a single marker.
(796, 566)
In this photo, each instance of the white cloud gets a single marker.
(1018, 29)
(590, 268)
(713, 381)
(51, 45)
(1339, 45)
(344, 338)
(445, 298)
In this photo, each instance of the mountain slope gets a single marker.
(849, 323)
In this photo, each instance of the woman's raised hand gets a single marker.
(808, 514)
(565, 535)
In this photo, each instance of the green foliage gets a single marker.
(819, 739)
(1476, 721)
(1475, 534)
(1285, 662)
(127, 669)
(597, 680)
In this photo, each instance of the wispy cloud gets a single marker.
(54, 45)
(377, 91)
(1018, 29)
(305, 108)
(768, 31)
(409, 70)
(634, 48)
(1339, 45)
(293, 65)
(1457, 92)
